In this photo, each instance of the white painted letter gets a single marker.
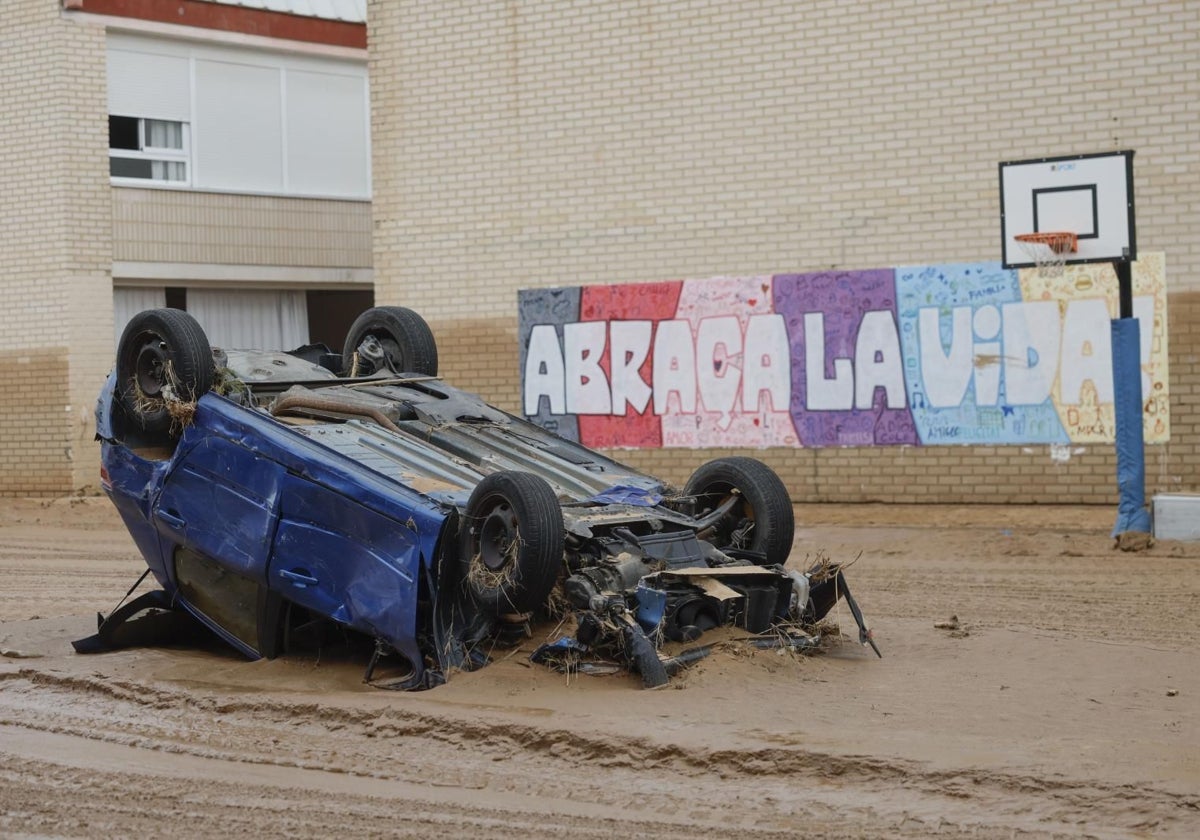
(630, 344)
(674, 366)
(766, 364)
(987, 355)
(544, 371)
(1032, 333)
(835, 394)
(877, 361)
(586, 384)
(945, 375)
(718, 385)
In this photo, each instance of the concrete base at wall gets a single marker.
(1177, 516)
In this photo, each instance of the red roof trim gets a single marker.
(206, 15)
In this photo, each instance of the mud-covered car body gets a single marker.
(413, 512)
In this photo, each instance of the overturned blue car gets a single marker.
(271, 491)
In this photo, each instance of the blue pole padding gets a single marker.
(1131, 451)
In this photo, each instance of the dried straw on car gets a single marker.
(182, 412)
(483, 577)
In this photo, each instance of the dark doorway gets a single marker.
(330, 314)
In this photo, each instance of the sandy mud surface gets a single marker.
(1067, 703)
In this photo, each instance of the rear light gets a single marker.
(105, 480)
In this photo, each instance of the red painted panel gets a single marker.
(641, 302)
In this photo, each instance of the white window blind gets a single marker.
(327, 149)
(238, 140)
(147, 84)
(129, 301)
(251, 320)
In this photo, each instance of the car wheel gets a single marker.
(512, 544)
(162, 353)
(404, 338)
(762, 521)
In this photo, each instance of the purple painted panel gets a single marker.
(861, 367)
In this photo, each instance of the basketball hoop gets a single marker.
(1048, 250)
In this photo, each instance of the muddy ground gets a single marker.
(1068, 703)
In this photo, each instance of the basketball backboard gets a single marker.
(1088, 195)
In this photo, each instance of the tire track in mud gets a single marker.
(378, 804)
(777, 787)
(288, 808)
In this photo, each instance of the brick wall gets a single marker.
(56, 243)
(539, 144)
(31, 417)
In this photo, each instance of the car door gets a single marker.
(218, 511)
(347, 562)
(222, 500)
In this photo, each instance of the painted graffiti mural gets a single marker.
(916, 355)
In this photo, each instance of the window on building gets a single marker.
(148, 150)
(234, 119)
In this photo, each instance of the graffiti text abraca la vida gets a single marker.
(936, 355)
(598, 367)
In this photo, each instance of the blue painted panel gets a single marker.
(970, 356)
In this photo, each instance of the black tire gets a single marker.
(406, 338)
(512, 542)
(761, 522)
(162, 347)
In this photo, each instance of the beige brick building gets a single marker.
(536, 144)
(94, 228)
(528, 144)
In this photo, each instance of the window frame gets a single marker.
(154, 154)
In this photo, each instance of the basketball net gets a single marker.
(1048, 250)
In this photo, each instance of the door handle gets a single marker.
(300, 578)
(172, 520)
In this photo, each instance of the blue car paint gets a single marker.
(260, 500)
(132, 482)
(652, 606)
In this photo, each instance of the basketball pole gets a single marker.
(1132, 515)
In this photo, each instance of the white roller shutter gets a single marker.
(128, 302)
(148, 84)
(327, 148)
(238, 134)
(251, 320)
